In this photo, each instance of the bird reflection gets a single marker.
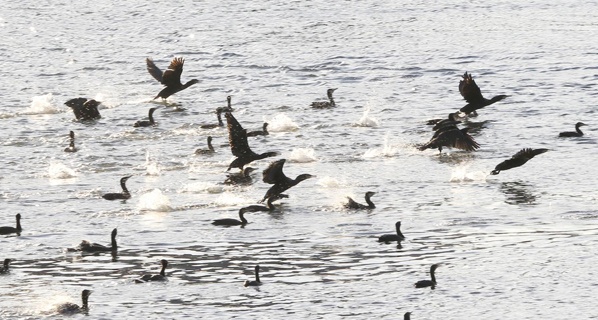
(518, 193)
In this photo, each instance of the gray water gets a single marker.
(515, 245)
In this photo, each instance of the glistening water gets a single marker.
(520, 244)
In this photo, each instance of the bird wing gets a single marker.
(273, 173)
(454, 138)
(237, 137)
(153, 69)
(528, 153)
(469, 89)
(172, 76)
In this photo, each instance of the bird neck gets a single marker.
(433, 276)
(269, 203)
(163, 271)
(257, 275)
(242, 216)
(369, 202)
(113, 242)
(399, 233)
(84, 299)
(265, 128)
(188, 84)
(578, 130)
(151, 117)
(19, 224)
(124, 187)
(220, 123)
(210, 145)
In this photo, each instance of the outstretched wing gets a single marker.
(528, 153)
(273, 173)
(172, 76)
(469, 89)
(237, 137)
(153, 69)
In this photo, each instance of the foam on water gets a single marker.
(203, 187)
(387, 150)
(42, 105)
(282, 123)
(58, 170)
(366, 120)
(152, 166)
(154, 200)
(461, 174)
(303, 155)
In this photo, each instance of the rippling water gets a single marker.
(516, 245)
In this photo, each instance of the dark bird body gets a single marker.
(70, 308)
(393, 237)
(263, 132)
(354, 205)
(257, 281)
(428, 283)
(576, 133)
(473, 95)
(171, 78)
(10, 230)
(84, 109)
(86, 246)
(519, 159)
(232, 222)
(5, 268)
(237, 138)
(71, 147)
(228, 107)
(243, 177)
(267, 208)
(210, 149)
(122, 195)
(274, 175)
(407, 316)
(452, 137)
(325, 104)
(214, 125)
(147, 123)
(155, 277)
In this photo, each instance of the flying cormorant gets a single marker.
(171, 78)
(472, 94)
(84, 109)
(237, 138)
(519, 159)
(274, 175)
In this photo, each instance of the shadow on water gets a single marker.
(518, 193)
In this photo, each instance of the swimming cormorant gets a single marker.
(237, 138)
(122, 195)
(428, 283)
(214, 125)
(257, 281)
(146, 123)
(9, 230)
(325, 104)
(240, 178)
(69, 308)
(407, 316)
(228, 107)
(86, 246)
(274, 175)
(519, 159)
(5, 268)
(71, 147)
(354, 205)
(451, 136)
(577, 132)
(171, 78)
(472, 94)
(268, 207)
(393, 237)
(232, 222)
(155, 277)
(84, 109)
(210, 149)
(263, 132)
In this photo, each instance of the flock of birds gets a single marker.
(447, 134)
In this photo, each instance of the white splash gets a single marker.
(460, 174)
(282, 123)
(154, 200)
(330, 182)
(152, 166)
(387, 150)
(202, 187)
(303, 155)
(366, 120)
(230, 199)
(42, 105)
(58, 170)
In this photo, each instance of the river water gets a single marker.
(520, 244)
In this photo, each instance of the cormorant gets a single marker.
(354, 205)
(69, 308)
(274, 175)
(263, 132)
(268, 207)
(146, 123)
(86, 246)
(9, 230)
(428, 283)
(393, 237)
(232, 222)
(84, 109)
(5, 268)
(210, 149)
(577, 132)
(237, 138)
(240, 178)
(228, 107)
(71, 147)
(452, 120)
(214, 125)
(407, 316)
(451, 136)
(325, 104)
(155, 277)
(519, 159)
(257, 281)
(171, 78)
(119, 196)
(472, 94)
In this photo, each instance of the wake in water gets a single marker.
(387, 150)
